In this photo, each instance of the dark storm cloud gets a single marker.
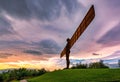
(15, 8)
(5, 26)
(50, 9)
(33, 52)
(48, 46)
(112, 37)
(71, 5)
(13, 44)
(42, 9)
(52, 28)
(36, 48)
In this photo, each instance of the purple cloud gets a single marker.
(115, 56)
(112, 37)
(5, 27)
(41, 9)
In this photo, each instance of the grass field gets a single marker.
(80, 75)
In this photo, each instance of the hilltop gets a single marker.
(80, 75)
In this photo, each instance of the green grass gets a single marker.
(80, 75)
(14, 81)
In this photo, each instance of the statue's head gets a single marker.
(68, 39)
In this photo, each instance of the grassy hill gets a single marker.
(80, 75)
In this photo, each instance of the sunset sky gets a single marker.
(33, 32)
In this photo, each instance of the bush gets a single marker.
(91, 65)
(20, 74)
(119, 63)
(79, 66)
(98, 65)
(1, 77)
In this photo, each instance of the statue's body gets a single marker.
(67, 53)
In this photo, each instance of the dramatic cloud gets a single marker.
(5, 55)
(5, 27)
(13, 45)
(48, 46)
(42, 9)
(115, 55)
(71, 5)
(15, 8)
(36, 48)
(33, 52)
(112, 37)
(114, 4)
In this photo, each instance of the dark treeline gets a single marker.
(91, 65)
(18, 74)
